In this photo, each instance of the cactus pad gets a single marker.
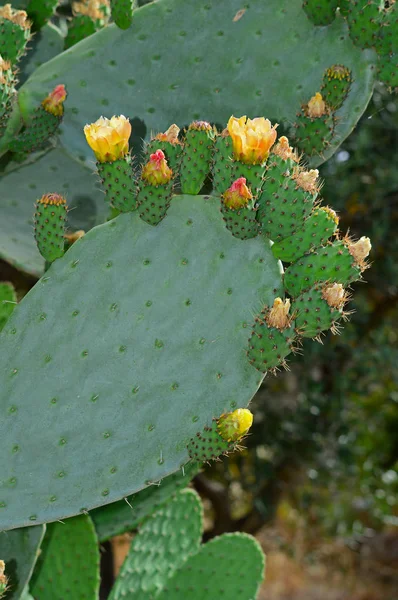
(117, 181)
(321, 12)
(222, 70)
(162, 333)
(68, 566)
(319, 309)
(20, 549)
(162, 545)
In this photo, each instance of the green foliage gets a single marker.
(163, 544)
(8, 300)
(19, 549)
(68, 565)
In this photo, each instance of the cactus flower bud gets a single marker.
(279, 314)
(307, 180)
(360, 250)
(19, 17)
(171, 135)
(251, 138)
(109, 138)
(238, 195)
(54, 102)
(283, 150)
(335, 295)
(157, 171)
(233, 426)
(316, 107)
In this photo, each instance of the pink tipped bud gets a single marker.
(157, 171)
(238, 195)
(54, 103)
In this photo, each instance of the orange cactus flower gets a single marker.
(54, 102)
(157, 171)
(251, 138)
(109, 138)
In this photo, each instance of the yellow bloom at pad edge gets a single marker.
(251, 138)
(109, 138)
(233, 426)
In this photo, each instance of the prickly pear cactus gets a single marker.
(223, 43)
(146, 370)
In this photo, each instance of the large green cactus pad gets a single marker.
(19, 549)
(232, 59)
(130, 344)
(19, 189)
(68, 566)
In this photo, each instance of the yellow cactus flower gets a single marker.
(54, 102)
(251, 138)
(233, 426)
(157, 171)
(238, 195)
(316, 107)
(109, 138)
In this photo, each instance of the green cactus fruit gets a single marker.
(316, 230)
(43, 125)
(222, 168)
(388, 70)
(272, 337)
(155, 189)
(40, 11)
(196, 156)
(14, 33)
(19, 550)
(229, 566)
(80, 27)
(319, 309)
(117, 180)
(122, 12)
(321, 12)
(136, 363)
(163, 544)
(336, 85)
(364, 20)
(125, 515)
(68, 565)
(314, 127)
(50, 221)
(8, 300)
(239, 210)
(170, 145)
(339, 262)
(282, 212)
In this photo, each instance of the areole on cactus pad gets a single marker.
(122, 358)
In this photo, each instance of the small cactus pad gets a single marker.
(123, 371)
(208, 444)
(68, 566)
(222, 70)
(49, 219)
(229, 566)
(8, 300)
(364, 18)
(314, 126)
(19, 549)
(163, 544)
(196, 156)
(14, 33)
(40, 11)
(321, 12)
(125, 515)
(170, 145)
(118, 183)
(319, 309)
(336, 85)
(122, 12)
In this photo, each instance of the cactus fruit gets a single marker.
(272, 337)
(336, 85)
(44, 123)
(239, 211)
(316, 230)
(221, 436)
(314, 126)
(321, 12)
(3, 579)
(170, 145)
(8, 300)
(196, 156)
(50, 221)
(40, 11)
(364, 19)
(342, 261)
(14, 33)
(229, 566)
(155, 189)
(319, 309)
(122, 12)
(68, 565)
(163, 544)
